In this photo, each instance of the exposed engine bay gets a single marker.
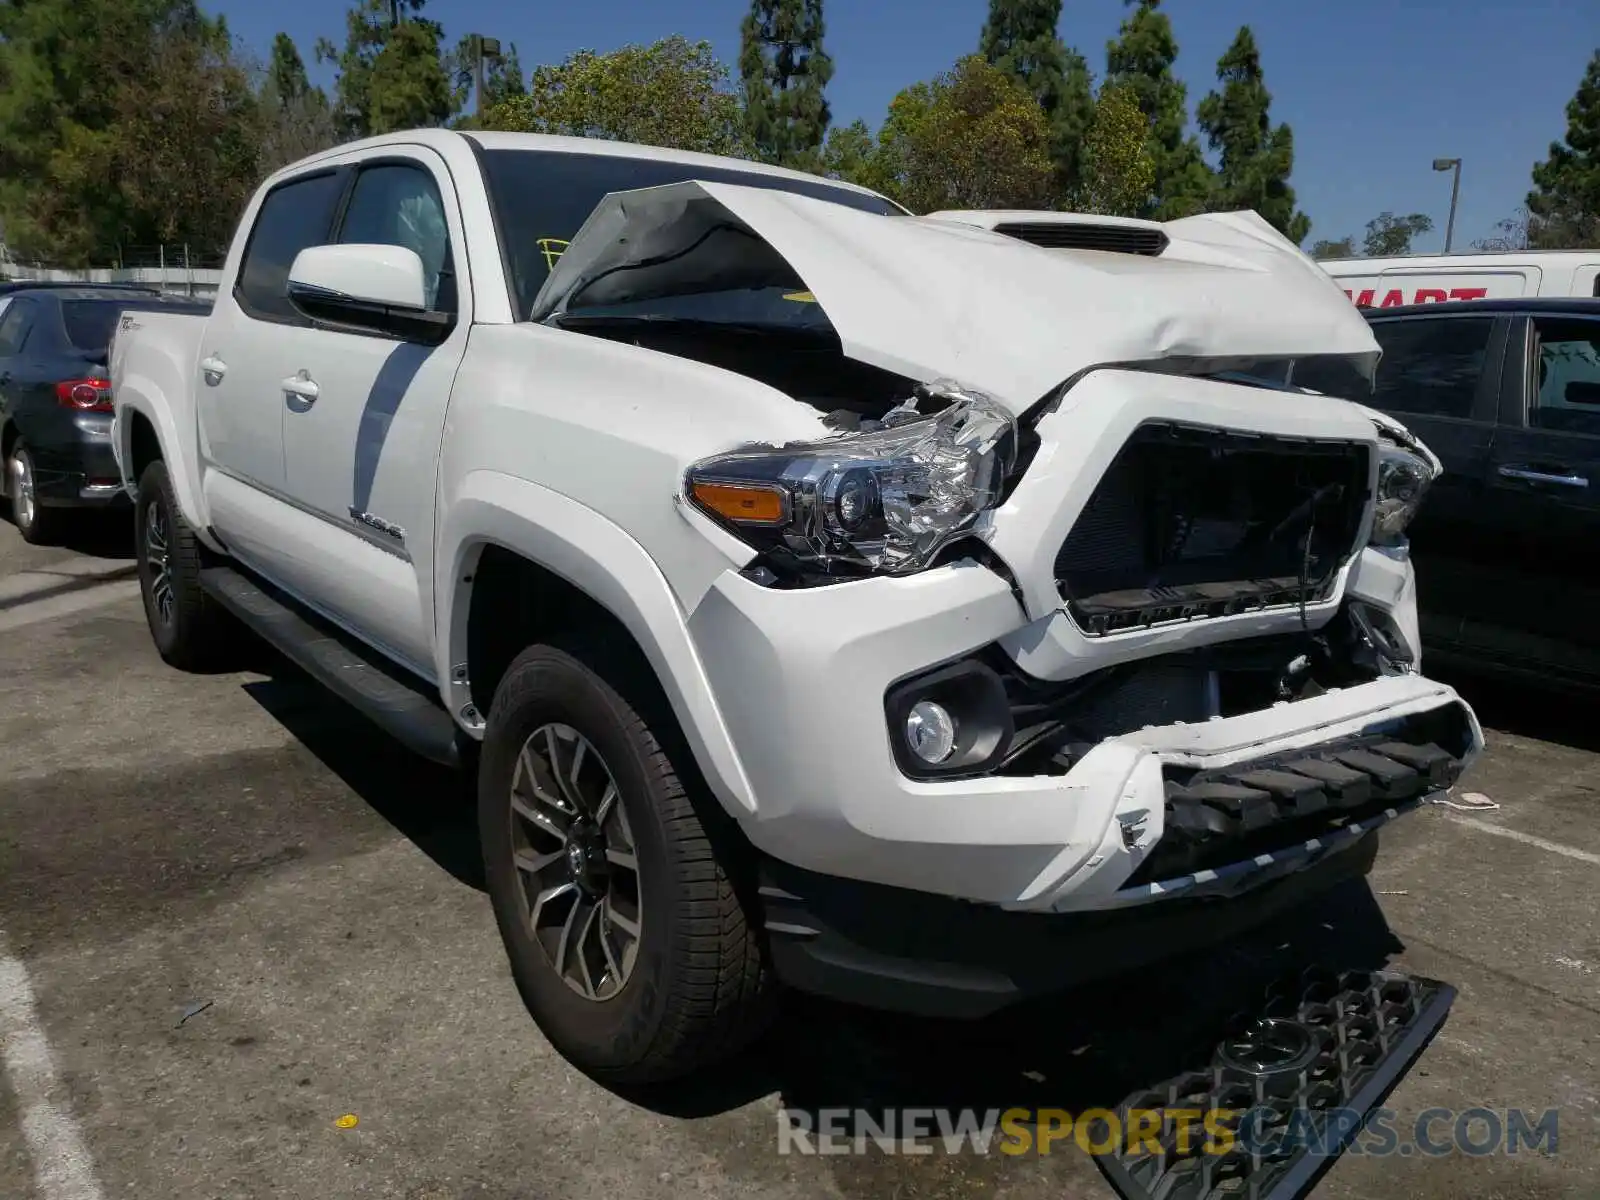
(806, 362)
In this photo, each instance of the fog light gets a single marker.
(930, 732)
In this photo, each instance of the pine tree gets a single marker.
(1141, 59)
(392, 72)
(1564, 206)
(286, 73)
(785, 73)
(1020, 39)
(1255, 159)
(296, 118)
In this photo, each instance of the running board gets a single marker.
(1268, 1109)
(399, 703)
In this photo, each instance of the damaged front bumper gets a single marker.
(1214, 806)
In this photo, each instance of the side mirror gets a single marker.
(370, 287)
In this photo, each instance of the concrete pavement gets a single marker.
(243, 843)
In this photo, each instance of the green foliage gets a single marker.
(1141, 59)
(1388, 235)
(286, 71)
(1344, 247)
(785, 72)
(671, 93)
(1256, 159)
(1118, 167)
(503, 79)
(848, 153)
(972, 138)
(185, 147)
(391, 73)
(1564, 206)
(121, 122)
(1019, 37)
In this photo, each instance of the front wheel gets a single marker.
(628, 941)
(191, 631)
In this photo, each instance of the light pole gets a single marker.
(1450, 164)
(487, 48)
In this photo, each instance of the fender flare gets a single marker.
(602, 560)
(142, 396)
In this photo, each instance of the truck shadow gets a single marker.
(1085, 1049)
(432, 806)
(1088, 1048)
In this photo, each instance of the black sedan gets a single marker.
(55, 399)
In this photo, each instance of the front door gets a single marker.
(362, 438)
(1543, 515)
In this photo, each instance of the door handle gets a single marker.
(1529, 475)
(214, 369)
(302, 386)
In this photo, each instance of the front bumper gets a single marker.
(800, 677)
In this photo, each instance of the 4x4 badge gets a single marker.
(379, 524)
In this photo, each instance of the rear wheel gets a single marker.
(38, 525)
(191, 631)
(628, 939)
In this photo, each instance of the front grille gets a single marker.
(1265, 1110)
(1114, 239)
(1191, 523)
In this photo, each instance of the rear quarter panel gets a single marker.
(152, 368)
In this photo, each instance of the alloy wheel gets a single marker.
(23, 502)
(158, 556)
(576, 862)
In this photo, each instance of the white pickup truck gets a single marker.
(825, 595)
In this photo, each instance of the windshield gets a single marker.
(541, 198)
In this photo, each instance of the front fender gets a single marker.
(603, 561)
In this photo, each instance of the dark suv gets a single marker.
(1507, 546)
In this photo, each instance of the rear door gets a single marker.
(239, 382)
(1542, 522)
(1439, 376)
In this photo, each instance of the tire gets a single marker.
(38, 525)
(191, 631)
(697, 988)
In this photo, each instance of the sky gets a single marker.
(1375, 90)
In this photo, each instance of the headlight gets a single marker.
(881, 501)
(1403, 482)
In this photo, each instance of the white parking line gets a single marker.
(61, 1162)
(1527, 839)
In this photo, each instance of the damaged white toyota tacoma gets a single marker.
(824, 595)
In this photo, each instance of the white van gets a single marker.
(1369, 282)
(1425, 278)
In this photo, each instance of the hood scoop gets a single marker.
(1113, 239)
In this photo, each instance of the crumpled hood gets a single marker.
(933, 299)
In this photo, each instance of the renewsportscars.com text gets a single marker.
(1434, 1132)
